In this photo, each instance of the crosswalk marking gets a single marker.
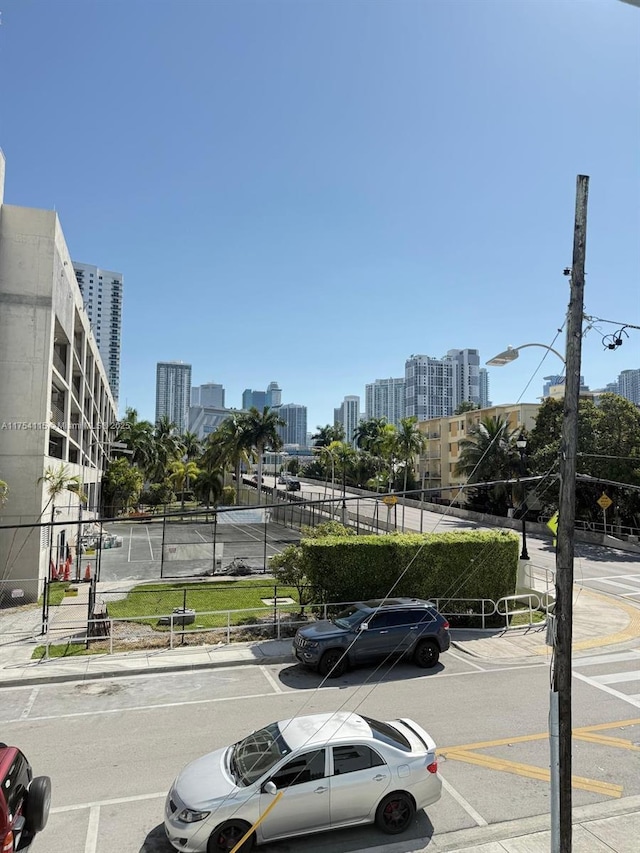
(597, 660)
(604, 681)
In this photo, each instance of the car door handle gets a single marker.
(379, 778)
(321, 790)
(383, 632)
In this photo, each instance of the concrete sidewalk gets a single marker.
(599, 621)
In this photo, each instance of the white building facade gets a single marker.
(102, 294)
(348, 414)
(385, 398)
(295, 431)
(173, 393)
(57, 408)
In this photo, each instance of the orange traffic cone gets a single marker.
(54, 571)
(67, 570)
(87, 572)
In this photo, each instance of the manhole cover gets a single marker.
(271, 601)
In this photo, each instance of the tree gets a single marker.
(488, 454)
(410, 442)
(122, 484)
(368, 432)
(4, 493)
(58, 480)
(288, 569)
(180, 474)
(168, 447)
(191, 446)
(208, 486)
(138, 437)
(326, 434)
(262, 432)
(229, 445)
(466, 406)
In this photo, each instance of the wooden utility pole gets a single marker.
(560, 708)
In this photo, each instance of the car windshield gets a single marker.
(254, 756)
(350, 617)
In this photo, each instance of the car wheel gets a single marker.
(395, 813)
(332, 663)
(426, 654)
(226, 836)
(36, 812)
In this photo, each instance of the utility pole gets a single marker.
(560, 723)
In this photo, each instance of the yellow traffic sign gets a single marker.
(552, 524)
(390, 500)
(604, 501)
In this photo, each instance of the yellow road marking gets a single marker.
(532, 772)
(618, 742)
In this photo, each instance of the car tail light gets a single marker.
(433, 767)
(7, 844)
(446, 625)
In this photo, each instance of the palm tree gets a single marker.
(489, 453)
(262, 432)
(367, 432)
(168, 447)
(191, 446)
(326, 434)
(229, 445)
(208, 486)
(138, 437)
(410, 442)
(57, 481)
(181, 472)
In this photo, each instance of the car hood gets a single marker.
(321, 630)
(204, 780)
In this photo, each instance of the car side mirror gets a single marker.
(269, 788)
(364, 626)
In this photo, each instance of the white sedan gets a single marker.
(334, 770)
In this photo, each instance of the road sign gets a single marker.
(604, 501)
(552, 524)
(390, 500)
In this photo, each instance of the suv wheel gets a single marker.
(426, 654)
(37, 805)
(332, 663)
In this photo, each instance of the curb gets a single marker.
(30, 681)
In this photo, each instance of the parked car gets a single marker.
(293, 484)
(24, 801)
(283, 478)
(337, 769)
(369, 631)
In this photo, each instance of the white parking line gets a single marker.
(115, 802)
(473, 814)
(91, 844)
(130, 543)
(149, 539)
(465, 660)
(29, 704)
(272, 680)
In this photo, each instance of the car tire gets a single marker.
(395, 813)
(36, 811)
(226, 836)
(333, 664)
(426, 654)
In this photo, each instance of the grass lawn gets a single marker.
(66, 650)
(153, 600)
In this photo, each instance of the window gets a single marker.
(16, 783)
(349, 759)
(303, 768)
(387, 734)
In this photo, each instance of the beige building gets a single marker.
(443, 435)
(55, 402)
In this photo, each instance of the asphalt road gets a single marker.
(113, 747)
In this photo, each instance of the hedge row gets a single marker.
(473, 564)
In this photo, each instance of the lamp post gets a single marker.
(512, 353)
(521, 444)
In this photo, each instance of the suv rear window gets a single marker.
(387, 734)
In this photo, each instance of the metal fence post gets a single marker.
(110, 636)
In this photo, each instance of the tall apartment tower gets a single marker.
(173, 392)
(295, 431)
(210, 394)
(430, 387)
(629, 385)
(485, 402)
(274, 395)
(384, 398)
(254, 399)
(102, 295)
(348, 414)
(467, 382)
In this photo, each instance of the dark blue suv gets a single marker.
(369, 631)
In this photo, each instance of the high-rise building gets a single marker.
(629, 385)
(485, 402)
(173, 392)
(254, 399)
(348, 414)
(102, 295)
(384, 398)
(210, 394)
(554, 381)
(295, 417)
(273, 395)
(430, 387)
(55, 397)
(467, 382)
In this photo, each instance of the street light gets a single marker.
(512, 353)
(521, 444)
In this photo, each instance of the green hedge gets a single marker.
(467, 565)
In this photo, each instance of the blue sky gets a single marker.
(309, 191)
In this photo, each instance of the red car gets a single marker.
(24, 801)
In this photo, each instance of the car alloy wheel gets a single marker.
(332, 663)
(227, 836)
(395, 813)
(427, 654)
